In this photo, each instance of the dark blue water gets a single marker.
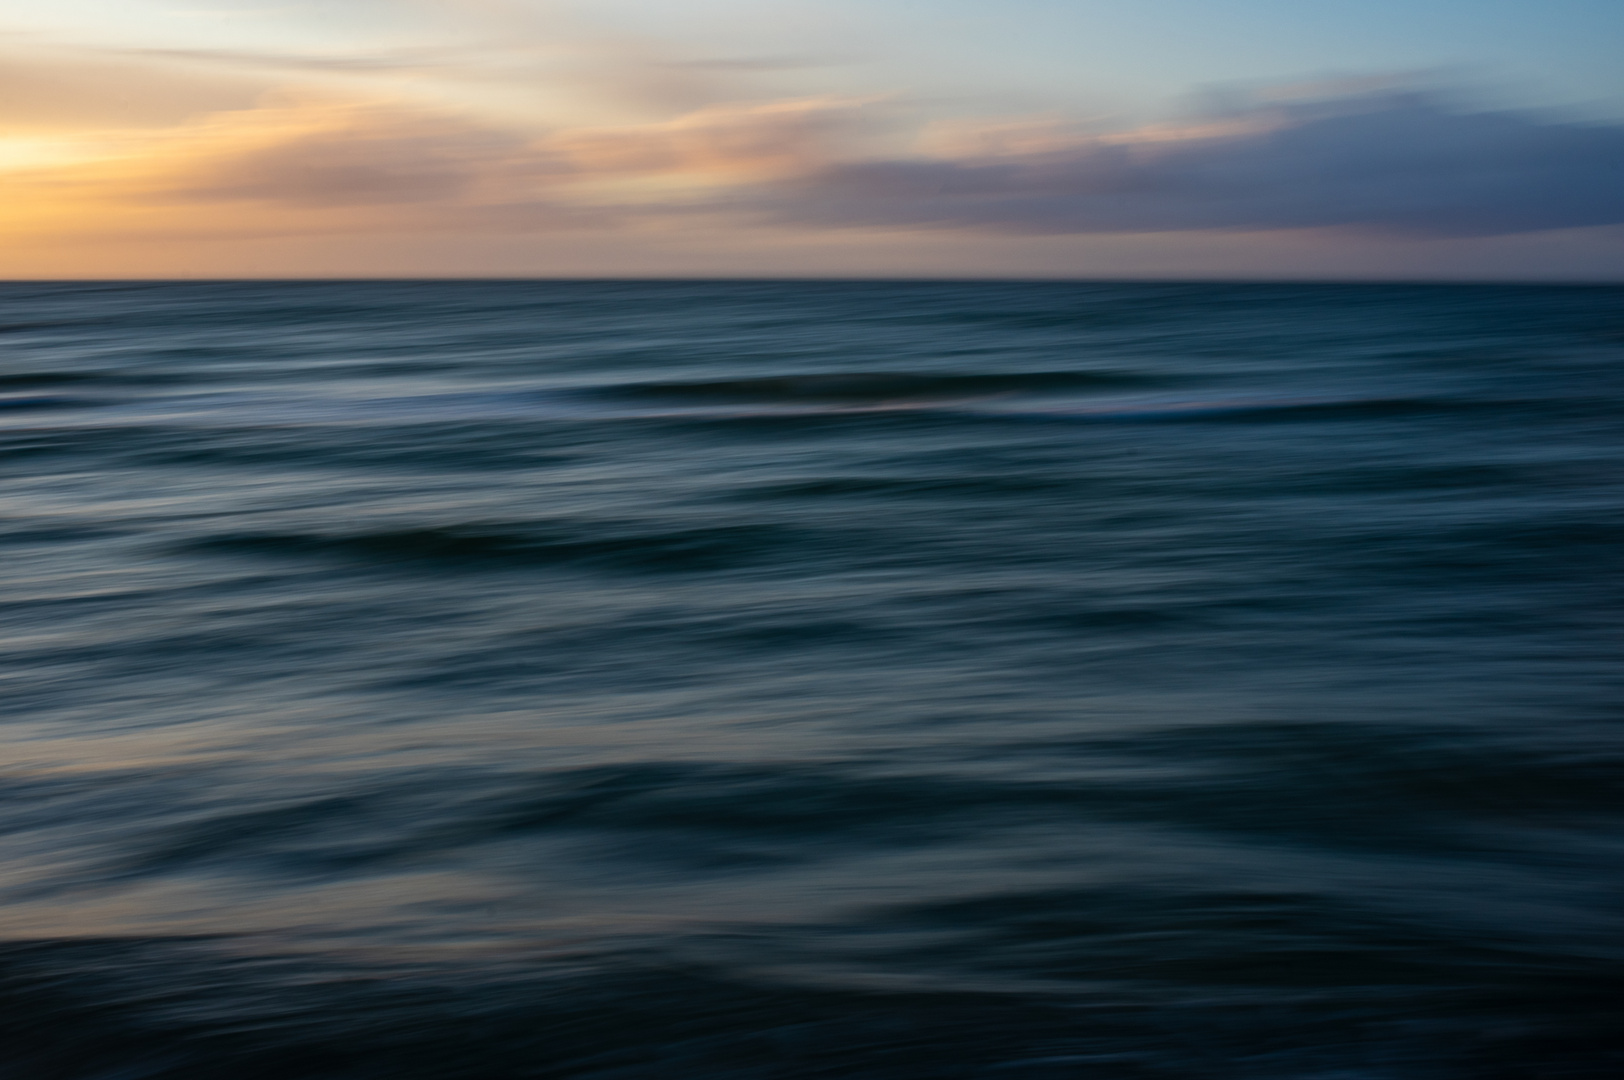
(718, 681)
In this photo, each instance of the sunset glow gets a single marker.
(512, 138)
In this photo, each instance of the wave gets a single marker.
(48, 380)
(27, 327)
(33, 380)
(31, 402)
(1369, 795)
(859, 388)
(190, 1009)
(514, 546)
(1035, 396)
(902, 487)
(1238, 408)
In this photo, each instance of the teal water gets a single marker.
(786, 679)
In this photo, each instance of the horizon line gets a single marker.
(1578, 282)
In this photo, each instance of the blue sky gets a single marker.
(1044, 137)
(1145, 53)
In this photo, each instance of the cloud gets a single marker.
(293, 167)
(751, 63)
(337, 155)
(1389, 162)
(387, 60)
(45, 89)
(305, 163)
(780, 138)
(320, 154)
(1398, 162)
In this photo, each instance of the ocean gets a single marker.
(766, 679)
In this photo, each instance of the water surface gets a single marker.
(863, 680)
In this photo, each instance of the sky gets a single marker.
(1251, 139)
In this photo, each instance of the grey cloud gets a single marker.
(1397, 162)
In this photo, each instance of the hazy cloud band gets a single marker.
(1397, 162)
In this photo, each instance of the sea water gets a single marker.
(714, 680)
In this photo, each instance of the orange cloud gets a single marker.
(303, 166)
(318, 165)
(775, 138)
(323, 154)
